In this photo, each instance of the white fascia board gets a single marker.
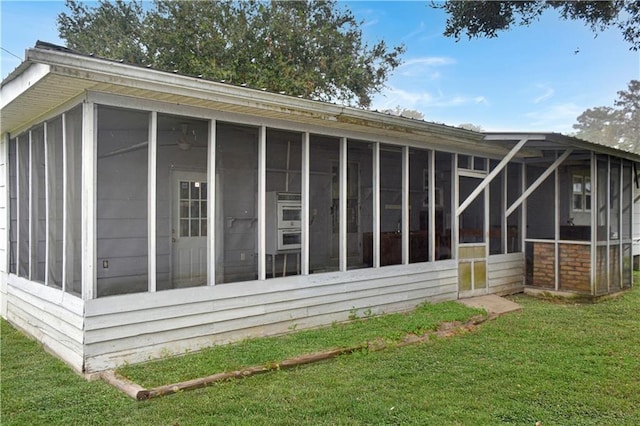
(515, 137)
(15, 87)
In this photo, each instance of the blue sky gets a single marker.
(527, 79)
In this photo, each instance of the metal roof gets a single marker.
(551, 141)
(52, 76)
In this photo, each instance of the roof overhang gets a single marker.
(50, 78)
(557, 142)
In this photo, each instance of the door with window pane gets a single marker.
(189, 230)
(472, 247)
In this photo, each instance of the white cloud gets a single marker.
(424, 67)
(370, 23)
(548, 93)
(393, 97)
(421, 28)
(459, 100)
(429, 61)
(556, 118)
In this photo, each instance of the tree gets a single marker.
(307, 48)
(618, 126)
(112, 30)
(487, 18)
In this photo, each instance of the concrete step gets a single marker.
(494, 305)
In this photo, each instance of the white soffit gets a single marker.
(36, 99)
(13, 88)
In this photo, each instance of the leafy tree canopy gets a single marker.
(308, 48)
(487, 18)
(618, 126)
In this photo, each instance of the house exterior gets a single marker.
(146, 213)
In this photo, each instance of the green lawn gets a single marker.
(379, 330)
(560, 364)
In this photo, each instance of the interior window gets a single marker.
(581, 188)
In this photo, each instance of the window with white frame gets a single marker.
(581, 193)
(470, 162)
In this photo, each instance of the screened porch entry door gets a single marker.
(189, 230)
(472, 249)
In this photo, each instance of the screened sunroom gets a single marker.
(150, 213)
(158, 225)
(578, 207)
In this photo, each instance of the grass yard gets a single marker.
(385, 329)
(557, 363)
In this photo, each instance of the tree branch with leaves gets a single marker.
(488, 18)
(617, 126)
(305, 48)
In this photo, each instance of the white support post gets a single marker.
(608, 214)
(594, 221)
(503, 208)
(376, 204)
(30, 265)
(304, 255)
(342, 213)
(632, 213)
(7, 205)
(19, 185)
(620, 223)
(523, 210)
(405, 205)
(211, 204)
(485, 230)
(432, 206)
(151, 200)
(487, 180)
(556, 229)
(539, 181)
(455, 222)
(89, 202)
(47, 201)
(262, 209)
(65, 202)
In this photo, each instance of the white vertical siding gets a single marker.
(136, 327)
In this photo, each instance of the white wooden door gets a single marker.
(189, 229)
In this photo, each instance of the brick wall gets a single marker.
(543, 265)
(575, 267)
